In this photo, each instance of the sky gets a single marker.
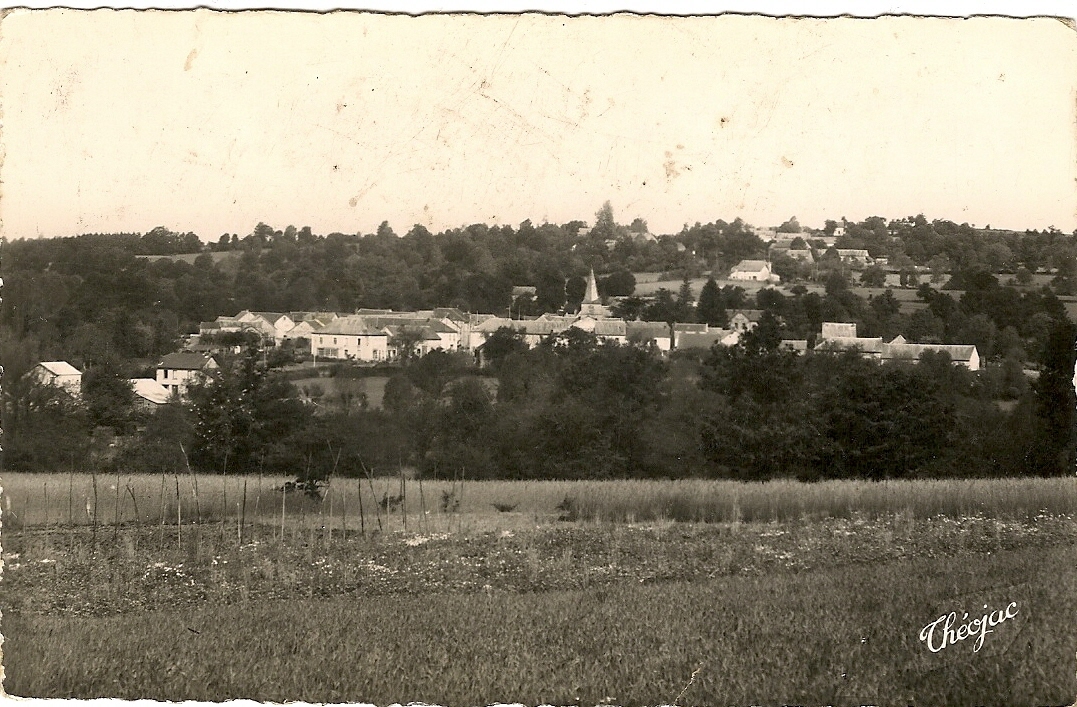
(212, 122)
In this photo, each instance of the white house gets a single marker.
(960, 354)
(658, 333)
(278, 324)
(60, 374)
(178, 371)
(754, 271)
(350, 337)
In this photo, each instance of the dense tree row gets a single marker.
(576, 408)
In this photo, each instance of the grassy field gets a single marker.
(141, 499)
(789, 593)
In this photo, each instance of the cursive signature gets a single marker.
(942, 632)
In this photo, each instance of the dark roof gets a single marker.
(350, 326)
(185, 361)
(695, 340)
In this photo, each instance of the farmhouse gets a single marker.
(744, 320)
(687, 340)
(841, 336)
(352, 338)
(60, 374)
(960, 354)
(178, 371)
(753, 270)
(856, 257)
(658, 333)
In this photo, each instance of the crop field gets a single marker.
(651, 592)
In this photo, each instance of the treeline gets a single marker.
(574, 408)
(90, 298)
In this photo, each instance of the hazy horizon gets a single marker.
(212, 122)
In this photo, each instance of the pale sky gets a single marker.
(211, 122)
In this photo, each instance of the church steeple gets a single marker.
(592, 303)
(590, 296)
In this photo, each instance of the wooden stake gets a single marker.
(164, 511)
(403, 500)
(374, 495)
(93, 480)
(243, 510)
(179, 517)
(422, 504)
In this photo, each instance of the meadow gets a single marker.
(618, 592)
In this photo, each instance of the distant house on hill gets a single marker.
(753, 271)
(960, 354)
(60, 374)
(856, 257)
(841, 336)
(744, 320)
(658, 333)
(705, 340)
(178, 371)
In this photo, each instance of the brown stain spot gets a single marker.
(341, 106)
(722, 121)
(352, 202)
(670, 166)
(787, 162)
(190, 59)
(680, 147)
(1002, 77)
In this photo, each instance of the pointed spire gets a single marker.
(591, 294)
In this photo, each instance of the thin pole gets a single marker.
(373, 494)
(179, 516)
(422, 504)
(116, 514)
(403, 500)
(93, 479)
(164, 512)
(243, 510)
(362, 518)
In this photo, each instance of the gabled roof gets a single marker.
(271, 317)
(653, 330)
(751, 266)
(450, 313)
(704, 340)
(186, 361)
(60, 368)
(752, 315)
(840, 343)
(426, 333)
(151, 390)
(610, 327)
(690, 327)
(492, 324)
(957, 352)
(350, 326)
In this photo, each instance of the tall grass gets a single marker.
(356, 505)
